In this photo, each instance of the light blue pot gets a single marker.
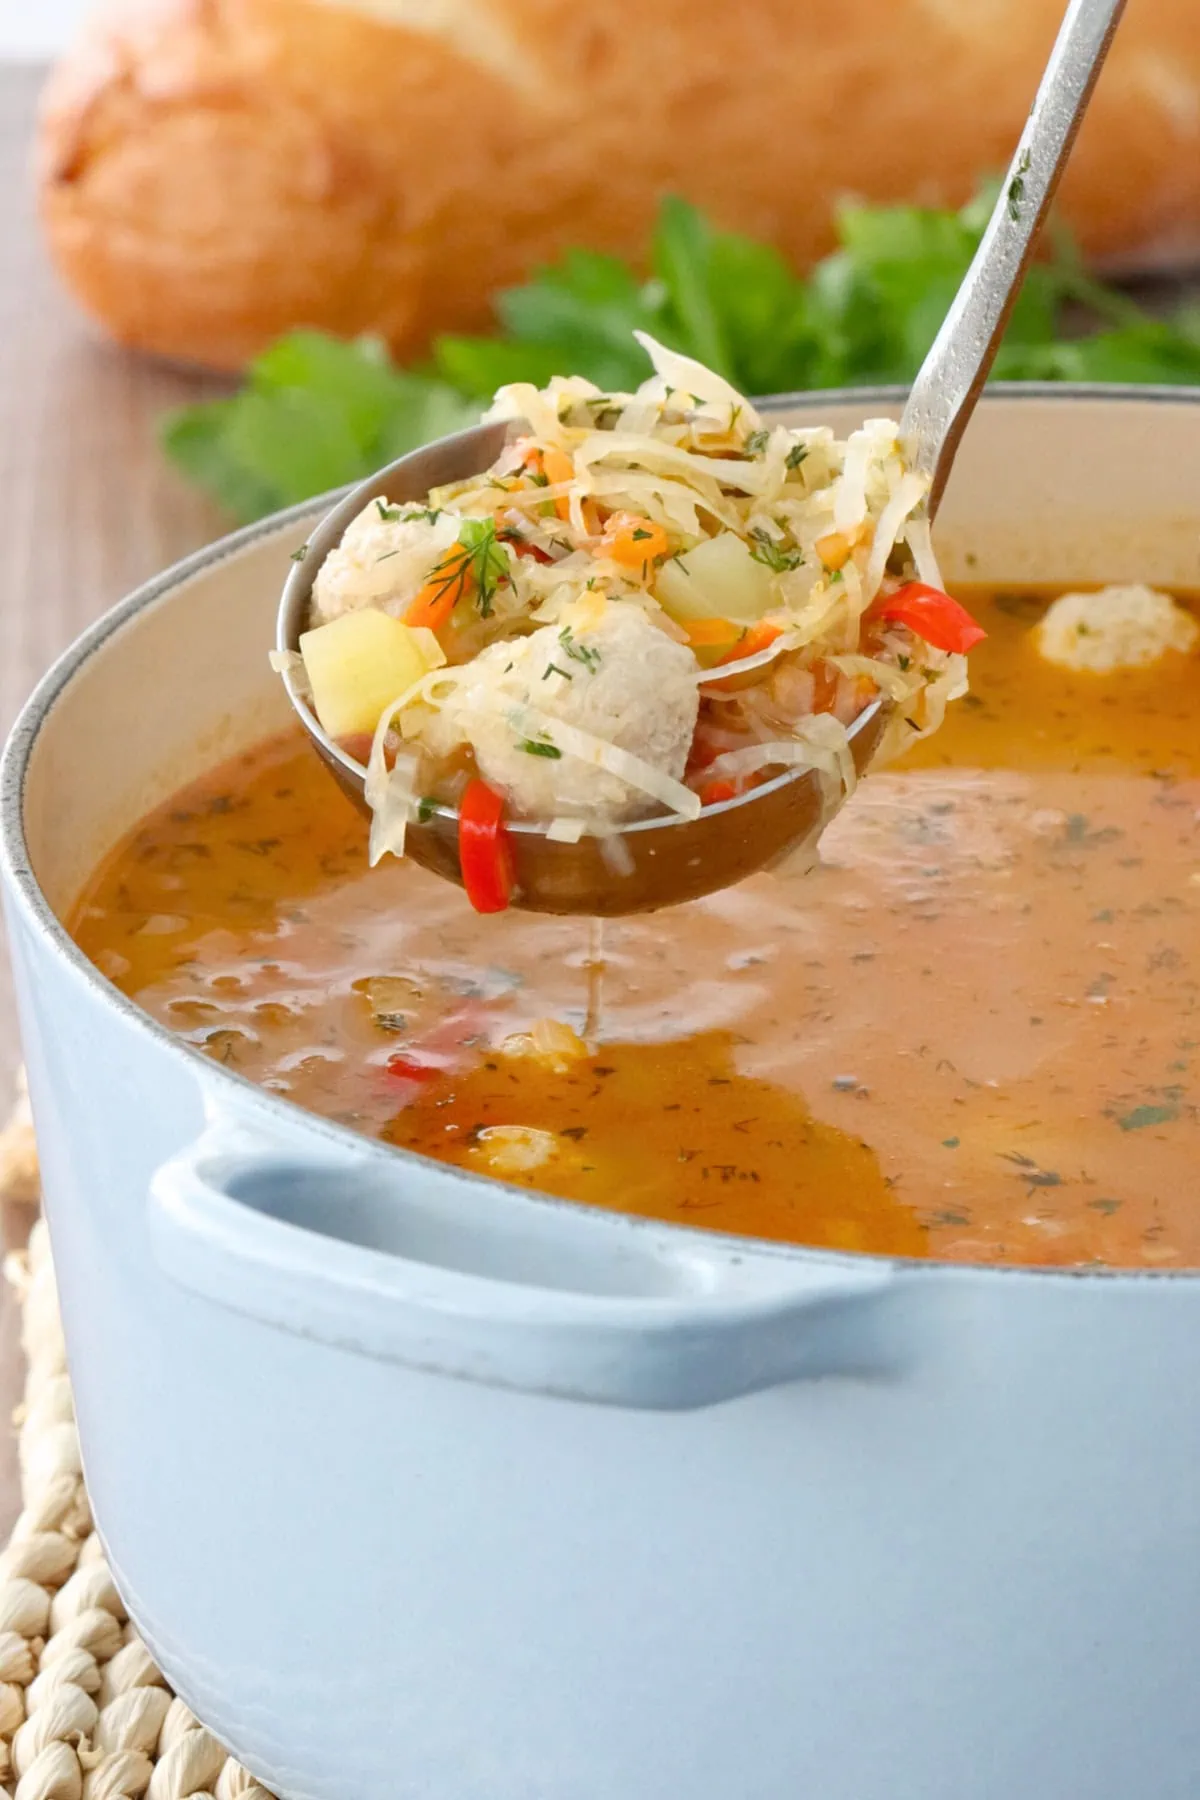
(423, 1488)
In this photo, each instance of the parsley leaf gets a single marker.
(540, 747)
(316, 413)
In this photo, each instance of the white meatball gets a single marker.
(620, 679)
(381, 561)
(1117, 628)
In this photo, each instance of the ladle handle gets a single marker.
(948, 384)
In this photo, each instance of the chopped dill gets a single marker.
(580, 653)
(772, 554)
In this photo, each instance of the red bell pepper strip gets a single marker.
(934, 616)
(484, 854)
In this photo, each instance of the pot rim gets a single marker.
(18, 877)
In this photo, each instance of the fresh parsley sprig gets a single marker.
(316, 413)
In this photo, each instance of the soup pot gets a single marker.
(422, 1487)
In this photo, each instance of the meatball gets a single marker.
(1117, 628)
(381, 561)
(620, 679)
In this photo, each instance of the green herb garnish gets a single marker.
(795, 456)
(426, 807)
(300, 554)
(540, 747)
(1141, 1116)
(580, 653)
(776, 556)
(487, 560)
(553, 669)
(757, 442)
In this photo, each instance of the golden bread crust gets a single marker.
(214, 172)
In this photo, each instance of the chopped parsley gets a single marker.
(757, 442)
(300, 554)
(774, 555)
(639, 533)
(796, 455)
(540, 747)
(426, 807)
(390, 513)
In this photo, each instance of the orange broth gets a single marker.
(972, 1033)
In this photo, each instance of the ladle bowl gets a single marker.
(649, 863)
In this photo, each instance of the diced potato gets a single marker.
(719, 579)
(359, 663)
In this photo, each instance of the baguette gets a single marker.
(214, 172)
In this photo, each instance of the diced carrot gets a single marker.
(634, 542)
(757, 637)
(450, 580)
(714, 792)
(557, 467)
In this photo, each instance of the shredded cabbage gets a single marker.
(549, 543)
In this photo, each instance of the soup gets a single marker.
(972, 1033)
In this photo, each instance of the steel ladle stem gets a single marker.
(951, 378)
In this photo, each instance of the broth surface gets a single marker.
(972, 1033)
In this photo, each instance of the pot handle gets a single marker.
(410, 1262)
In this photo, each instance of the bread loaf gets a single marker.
(214, 172)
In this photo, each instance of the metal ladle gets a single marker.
(668, 860)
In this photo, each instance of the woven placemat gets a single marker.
(84, 1712)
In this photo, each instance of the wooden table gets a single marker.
(91, 509)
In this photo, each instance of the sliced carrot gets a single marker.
(634, 542)
(450, 580)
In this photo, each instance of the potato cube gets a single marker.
(359, 663)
